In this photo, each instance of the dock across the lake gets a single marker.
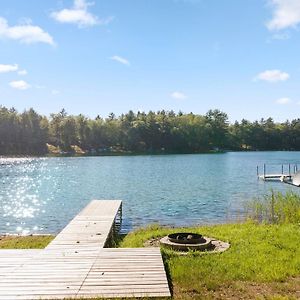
(76, 264)
(283, 172)
(280, 177)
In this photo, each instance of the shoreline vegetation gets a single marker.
(84, 153)
(163, 132)
(263, 261)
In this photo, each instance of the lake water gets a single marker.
(41, 195)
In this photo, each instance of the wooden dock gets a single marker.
(76, 264)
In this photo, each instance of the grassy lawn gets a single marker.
(262, 263)
(25, 242)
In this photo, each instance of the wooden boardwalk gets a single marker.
(76, 264)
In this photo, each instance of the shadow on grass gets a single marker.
(168, 272)
(117, 240)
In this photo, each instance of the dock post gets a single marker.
(289, 169)
(281, 169)
(257, 173)
(264, 171)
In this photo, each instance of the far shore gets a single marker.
(124, 153)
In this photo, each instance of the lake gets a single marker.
(41, 195)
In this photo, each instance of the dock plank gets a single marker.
(76, 264)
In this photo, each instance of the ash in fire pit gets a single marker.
(186, 241)
(186, 238)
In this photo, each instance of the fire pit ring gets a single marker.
(186, 238)
(184, 241)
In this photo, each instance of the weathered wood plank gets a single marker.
(75, 264)
(97, 218)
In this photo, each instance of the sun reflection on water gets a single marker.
(20, 200)
(41, 195)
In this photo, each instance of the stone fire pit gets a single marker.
(185, 241)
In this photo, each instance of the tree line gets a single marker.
(29, 133)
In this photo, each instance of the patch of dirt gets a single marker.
(152, 242)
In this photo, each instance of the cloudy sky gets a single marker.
(102, 56)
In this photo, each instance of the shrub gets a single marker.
(275, 208)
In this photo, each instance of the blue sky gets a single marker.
(102, 56)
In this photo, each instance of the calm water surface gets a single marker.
(44, 194)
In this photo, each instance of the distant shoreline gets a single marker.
(51, 155)
(111, 154)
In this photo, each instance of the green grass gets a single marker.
(25, 242)
(259, 253)
(276, 208)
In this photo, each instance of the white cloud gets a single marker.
(8, 68)
(79, 15)
(19, 85)
(55, 92)
(12, 68)
(281, 36)
(272, 76)
(106, 21)
(283, 101)
(286, 13)
(22, 72)
(178, 95)
(27, 34)
(120, 59)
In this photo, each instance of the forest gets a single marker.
(29, 133)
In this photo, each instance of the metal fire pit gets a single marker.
(186, 238)
(184, 241)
